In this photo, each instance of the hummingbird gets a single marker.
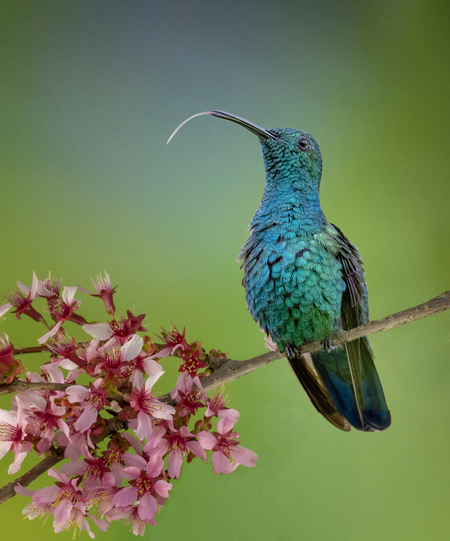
(304, 282)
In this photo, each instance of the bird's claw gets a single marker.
(327, 344)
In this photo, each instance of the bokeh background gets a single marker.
(90, 92)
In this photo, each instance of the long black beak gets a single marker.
(257, 130)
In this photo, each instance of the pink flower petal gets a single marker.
(147, 507)
(206, 439)
(132, 347)
(144, 427)
(174, 463)
(77, 393)
(155, 466)
(46, 495)
(100, 331)
(135, 462)
(162, 488)
(126, 496)
(231, 413)
(68, 294)
(22, 491)
(102, 524)
(50, 333)
(196, 448)
(9, 417)
(62, 477)
(74, 468)
(34, 286)
(54, 372)
(225, 424)
(162, 411)
(136, 444)
(151, 366)
(63, 512)
(42, 291)
(152, 380)
(15, 466)
(87, 418)
(137, 379)
(221, 464)
(26, 290)
(5, 446)
(244, 456)
(4, 308)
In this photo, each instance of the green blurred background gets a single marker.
(90, 92)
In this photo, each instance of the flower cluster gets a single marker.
(149, 438)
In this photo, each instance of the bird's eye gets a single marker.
(302, 143)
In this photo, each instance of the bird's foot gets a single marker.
(290, 351)
(327, 344)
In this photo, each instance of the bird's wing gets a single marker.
(354, 309)
(367, 388)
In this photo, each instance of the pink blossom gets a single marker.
(45, 417)
(67, 348)
(6, 351)
(75, 445)
(63, 309)
(144, 486)
(22, 303)
(95, 470)
(12, 434)
(124, 328)
(113, 457)
(100, 331)
(191, 363)
(49, 287)
(63, 502)
(119, 328)
(91, 400)
(178, 444)
(88, 351)
(174, 341)
(33, 510)
(105, 292)
(148, 406)
(113, 358)
(132, 518)
(61, 496)
(191, 395)
(77, 520)
(9, 367)
(103, 496)
(228, 454)
(216, 405)
(141, 364)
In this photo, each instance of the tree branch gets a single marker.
(32, 349)
(19, 386)
(229, 370)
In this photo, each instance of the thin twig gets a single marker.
(229, 370)
(32, 349)
(19, 386)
